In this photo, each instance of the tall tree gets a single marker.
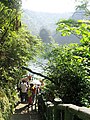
(17, 47)
(83, 5)
(69, 65)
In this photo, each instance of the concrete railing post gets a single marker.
(39, 103)
(57, 112)
(50, 111)
(68, 115)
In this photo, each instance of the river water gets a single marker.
(37, 67)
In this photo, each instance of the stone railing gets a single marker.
(59, 111)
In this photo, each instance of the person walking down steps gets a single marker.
(24, 88)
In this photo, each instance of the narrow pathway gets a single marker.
(22, 112)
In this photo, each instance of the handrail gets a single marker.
(59, 111)
(82, 112)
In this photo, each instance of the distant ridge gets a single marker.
(36, 21)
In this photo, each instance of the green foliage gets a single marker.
(4, 105)
(12, 4)
(8, 60)
(17, 47)
(69, 65)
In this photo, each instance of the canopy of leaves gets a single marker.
(17, 47)
(69, 65)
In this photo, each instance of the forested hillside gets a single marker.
(37, 21)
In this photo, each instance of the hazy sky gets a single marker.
(56, 6)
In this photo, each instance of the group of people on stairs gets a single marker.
(28, 91)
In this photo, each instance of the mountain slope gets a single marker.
(37, 21)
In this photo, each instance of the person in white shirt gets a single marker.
(24, 88)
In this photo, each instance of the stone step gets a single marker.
(22, 112)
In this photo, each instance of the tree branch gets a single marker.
(36, 73)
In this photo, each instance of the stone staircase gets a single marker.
(23, 112)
